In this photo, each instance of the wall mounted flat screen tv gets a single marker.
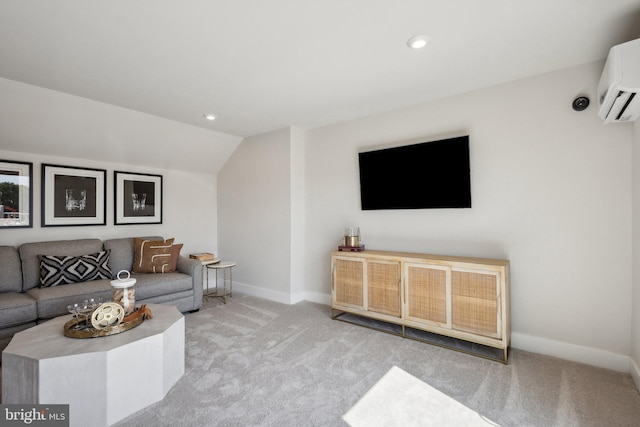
(428, 175)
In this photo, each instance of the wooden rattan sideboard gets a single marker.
(460, 298)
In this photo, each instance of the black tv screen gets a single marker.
(428, 175)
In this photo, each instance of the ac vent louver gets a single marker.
(619, 84)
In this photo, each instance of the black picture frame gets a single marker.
(16, 194)
(138, 198)
(73, 196)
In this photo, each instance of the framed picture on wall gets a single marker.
(138, 198)
(16, 194)
(73, 196)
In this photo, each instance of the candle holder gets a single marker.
(351, 240)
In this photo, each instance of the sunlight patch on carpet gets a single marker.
(400, 399)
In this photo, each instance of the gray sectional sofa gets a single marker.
(23, 303)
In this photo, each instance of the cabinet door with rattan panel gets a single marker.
(427, 288)
(475, 302)
(383, 287)
(348, 282)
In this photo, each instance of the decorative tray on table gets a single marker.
(108, 319)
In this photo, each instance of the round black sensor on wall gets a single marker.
(580, 103)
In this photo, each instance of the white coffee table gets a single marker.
(102, 379)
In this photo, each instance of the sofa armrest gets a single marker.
(193, 268)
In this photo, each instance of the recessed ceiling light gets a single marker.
(418, 42)
(210, 117)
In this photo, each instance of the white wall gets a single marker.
(189, 207)
(255, 211)
(551, 192)
(635, 301)
(44, 126)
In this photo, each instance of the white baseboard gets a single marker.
(635, 372)
(282, 297)
(316, 297)
(271, 295)
(576, 353)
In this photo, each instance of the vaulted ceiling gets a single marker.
(263, 65)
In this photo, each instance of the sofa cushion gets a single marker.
(30, 260)
(53, 301)
(10, 270)
(154, 285)
(16, 309)
(61, 270)
(122, 253)
(152, 256)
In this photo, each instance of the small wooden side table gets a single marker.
(226, 292)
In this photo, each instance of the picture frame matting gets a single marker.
(138, 198)
(73, 196)
(16, 194)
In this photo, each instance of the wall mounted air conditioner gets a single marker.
(619, 87)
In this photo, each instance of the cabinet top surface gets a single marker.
(417, 256)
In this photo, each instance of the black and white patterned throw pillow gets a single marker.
(60, 269)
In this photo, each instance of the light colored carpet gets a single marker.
(254, 362)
